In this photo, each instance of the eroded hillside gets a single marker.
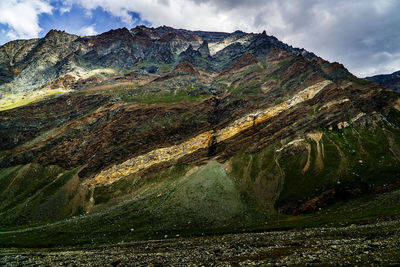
(161, 130)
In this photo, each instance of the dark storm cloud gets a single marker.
(364, 35)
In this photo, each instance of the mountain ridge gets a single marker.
(389, 81)
(162, 129)
(75, 53)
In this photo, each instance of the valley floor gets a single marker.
(374, 242)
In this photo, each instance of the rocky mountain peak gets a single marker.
(114, 34)
(143, 49)
(186, 68)
(56, 33)
(141, 32)
(204, 50)
(145, 32)
(164, 29)
(141, 133)
(58, 36)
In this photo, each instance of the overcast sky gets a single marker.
(364, 35)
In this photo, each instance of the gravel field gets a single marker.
(375, 243)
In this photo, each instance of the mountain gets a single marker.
(153, 132)
(389, 81)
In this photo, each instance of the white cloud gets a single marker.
(380, 63)
(21, 17)
(175, 13)
(88, 30)
(383, 6)
(64, 9)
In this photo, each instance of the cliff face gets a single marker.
(28, 65)
(164, 129)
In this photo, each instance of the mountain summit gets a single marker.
(141, 133)
(28, 65)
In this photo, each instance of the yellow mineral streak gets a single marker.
(397, 104)
(308, 163)
(263, 115)
(335, 102)
(319, 163)
(9, 101)
(145, 161)
(201, 141)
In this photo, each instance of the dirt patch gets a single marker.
(268, 86)
(66, 81)
(308, 163)
(397, 104)
(277, 54)
(316, 137)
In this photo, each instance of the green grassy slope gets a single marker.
(33, 194)
(241, 194)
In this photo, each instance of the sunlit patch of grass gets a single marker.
(17, 100)
(359, 81)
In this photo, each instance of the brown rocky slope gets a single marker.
(199, 144)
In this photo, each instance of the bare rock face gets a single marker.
(28, 65)
(204, 50)
(162, 130)
(243, 61)
(187, 68)
(277, 54)
(66, 82)
(42, 63)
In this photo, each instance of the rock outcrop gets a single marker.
(162, 129)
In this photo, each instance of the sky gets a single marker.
(364, 35)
